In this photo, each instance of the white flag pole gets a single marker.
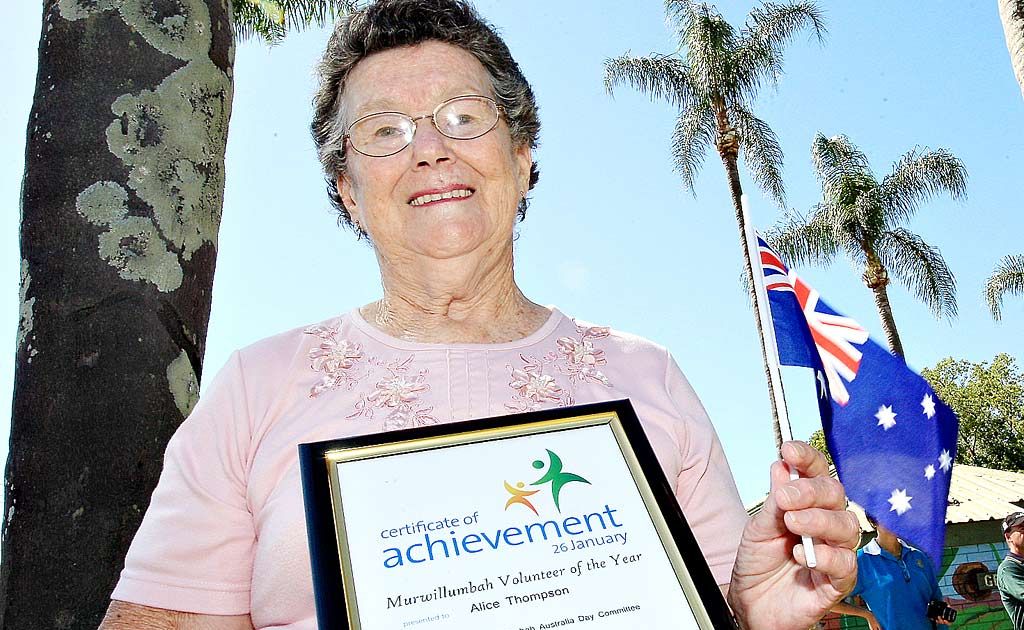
(771, 349)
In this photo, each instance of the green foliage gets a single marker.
(1007, 277)
(988, 397)
(714, 76)
(817, 440)
(271, 20)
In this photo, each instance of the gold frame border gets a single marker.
(610, 418)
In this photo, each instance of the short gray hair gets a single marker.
(386, 24)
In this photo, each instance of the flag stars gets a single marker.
(929, 471)
(886, 417)
(945, 461)
(928, 404)
(899, 501)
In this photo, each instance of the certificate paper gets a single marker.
(507, 524)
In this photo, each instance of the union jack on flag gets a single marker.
(892, 439)
(833, 335)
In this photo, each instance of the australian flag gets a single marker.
(893, 441)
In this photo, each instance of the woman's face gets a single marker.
(385, 195)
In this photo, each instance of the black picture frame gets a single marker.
(334, 596)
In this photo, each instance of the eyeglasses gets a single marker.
(386, 133)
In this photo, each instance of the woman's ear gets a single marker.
(346, 192)
(524, 159)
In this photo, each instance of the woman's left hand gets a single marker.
(771, 586)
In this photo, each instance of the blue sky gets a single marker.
(611, 236)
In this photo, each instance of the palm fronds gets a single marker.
(768, 30)
(1006, 278)
(838, 164)
(803, 241)
(661, 76)
(919, 176)
(709, 42)
(695, 129)
(921, 268)
(761, 151)
(271, 20)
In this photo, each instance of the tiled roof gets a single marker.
(975, 495)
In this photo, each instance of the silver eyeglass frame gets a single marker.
(346, 138)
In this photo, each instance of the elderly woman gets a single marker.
(425, 127)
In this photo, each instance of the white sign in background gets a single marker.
(601, 565)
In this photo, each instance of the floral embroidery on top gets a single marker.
(533, 386)
(399, 394)
(397, 390)
(576, 358)
(582, 358)
(335, 358)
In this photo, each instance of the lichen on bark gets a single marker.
(78, 9)
(183, 384)
(172, 140)
(131, 244)
(25, 322)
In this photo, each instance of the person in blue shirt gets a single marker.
(896, 582)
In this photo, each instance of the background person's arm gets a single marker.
(125, 616)
(849, 609)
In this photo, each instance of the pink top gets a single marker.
(225, 533)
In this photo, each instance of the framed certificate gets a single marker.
(529, 521)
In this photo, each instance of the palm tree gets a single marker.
(1011, 12)
(863, 218)
(1007, 277)
(713, 78)
(121, 205)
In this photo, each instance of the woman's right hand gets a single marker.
(772, 588)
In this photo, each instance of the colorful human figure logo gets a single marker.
(519, 496)
(555, 476)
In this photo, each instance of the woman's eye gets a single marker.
(387, 132)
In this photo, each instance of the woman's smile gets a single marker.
(435, 196)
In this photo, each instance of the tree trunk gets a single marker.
(121, 204)
(888, 323)
(877, 279)
(728, 150)
(1011, 12)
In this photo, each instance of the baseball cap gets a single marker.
(1013, 520)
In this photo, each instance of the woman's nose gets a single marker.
(430, 146)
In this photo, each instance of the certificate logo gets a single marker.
(555, 477)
